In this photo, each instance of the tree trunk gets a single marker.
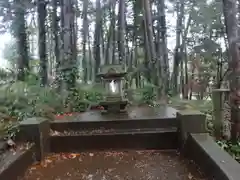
(42, 13)
(55, 29)
(121, 32)
(149, 38)
(230, 13)
(84, 43)
(97, 37)
(19, 29)
(162, 49)
(68, 65)
(180, 14)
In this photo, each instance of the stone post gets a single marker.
(219, 96)
(191, 121)
(36, 130)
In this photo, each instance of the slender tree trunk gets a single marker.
(85, 35)
(180, 13)
(42, 13)
(97, 37)
(149, 37)
(55, 29)
(121, 32)
(162, 49)
(68, 63)
(19, 27)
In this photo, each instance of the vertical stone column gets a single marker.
(191, 121)
(219, 98)
(36, 130)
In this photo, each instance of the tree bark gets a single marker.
(230, 14)
(42, 13)
(121, 32)
(97, 37)
(19, 29)
(175, 75)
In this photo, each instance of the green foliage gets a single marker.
(92, 92)
(19, 100)
(233, 148)
(149, 94)
(205, 106)
(146, 95)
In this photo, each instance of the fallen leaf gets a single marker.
(11, 143)
(55, 133)
(48, 161)
(190, 176)
(33, 168)
(73, 155)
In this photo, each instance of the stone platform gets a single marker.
(142, 128)
(134, 118)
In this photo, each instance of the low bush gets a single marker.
(19, 100)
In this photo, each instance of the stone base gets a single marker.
(36, 130)
(191, 121)
(114, 107)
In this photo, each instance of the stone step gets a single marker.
(137, 139)
(61, 126)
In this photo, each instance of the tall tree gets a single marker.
(85, 37)
(148, 28)
(42, 13)
(180, 14)
(230, 13)
(121, 31)
(97, 36)
(162, 48)
(55, 29)
(68, 64)
(19, 31)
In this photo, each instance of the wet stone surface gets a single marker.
(129, 165)
(9, 155)
(133, 113)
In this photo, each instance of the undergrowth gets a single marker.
(20, 100)
(205, 106)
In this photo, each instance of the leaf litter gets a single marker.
(114, 165)
(83, 132)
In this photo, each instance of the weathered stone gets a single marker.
(36, 130)
(191, 121)
(113, 80)
(212, 159)
(220, 100)
(3, 146)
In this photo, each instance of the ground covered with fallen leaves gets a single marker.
(129, 165)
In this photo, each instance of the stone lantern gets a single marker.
(112, 78)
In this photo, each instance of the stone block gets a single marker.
(191, 121)
(36, 130)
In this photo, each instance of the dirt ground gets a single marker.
(128, 165)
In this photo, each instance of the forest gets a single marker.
(175, 52)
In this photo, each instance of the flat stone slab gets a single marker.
(216, 162)
(14, 163)
(133, 113)
(130, 165)
(32, 121)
